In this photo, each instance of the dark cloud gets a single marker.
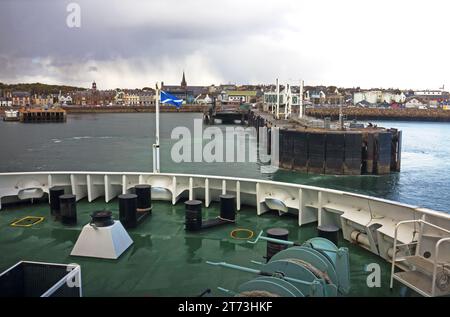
(127, 28)
(134, 42)
(132, 32)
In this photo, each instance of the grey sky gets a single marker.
(135, 43)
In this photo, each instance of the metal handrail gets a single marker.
(403, 244)
(75, 271)
(436, 253)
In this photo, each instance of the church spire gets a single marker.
(183, 81)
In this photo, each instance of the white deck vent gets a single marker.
(102, 242)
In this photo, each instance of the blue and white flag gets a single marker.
(168, 98)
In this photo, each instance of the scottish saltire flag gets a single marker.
(168, 98)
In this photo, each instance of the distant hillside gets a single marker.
(38, 88)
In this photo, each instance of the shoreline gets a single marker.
(429, 115)
(133, 109)
(126, 109)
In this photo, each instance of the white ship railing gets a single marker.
(425, 284)
(368, 221)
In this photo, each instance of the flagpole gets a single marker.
(156, 166)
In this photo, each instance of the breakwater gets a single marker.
(382, 114)
(337, 152)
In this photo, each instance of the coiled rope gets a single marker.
(318, 273)
(256, 293)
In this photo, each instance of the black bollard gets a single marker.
(144, 197)
(54, 193)
(228, 207)
(68, 204)
(193, 215)
(330, 232)
(273, 247)
(127, 210)
(102, 218)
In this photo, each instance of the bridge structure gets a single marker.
(227, 113)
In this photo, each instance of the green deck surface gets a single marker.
(165, 260)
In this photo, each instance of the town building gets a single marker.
(429, 93)
(5, 102)
(241, 96)
(64, 100)
(316, 96)
(432, 97)
(21, 99)
(42, 100)
(93, 96)
(185, 92)
(333, 96)
(379, 96)
(414, 102)
(146, 98)
(131, 98)
(203, 99)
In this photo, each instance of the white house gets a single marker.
(378, 96)
(316, 96)
(4, 102)
(414, 102)
(400, 98)
(391, 97)
(203, 99)
(65, 100)
(371, 96)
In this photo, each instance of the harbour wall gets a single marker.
(382, 114)
(335, 152)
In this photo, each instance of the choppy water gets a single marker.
(122, 142)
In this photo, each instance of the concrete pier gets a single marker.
(42, 115)
(333, 151)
